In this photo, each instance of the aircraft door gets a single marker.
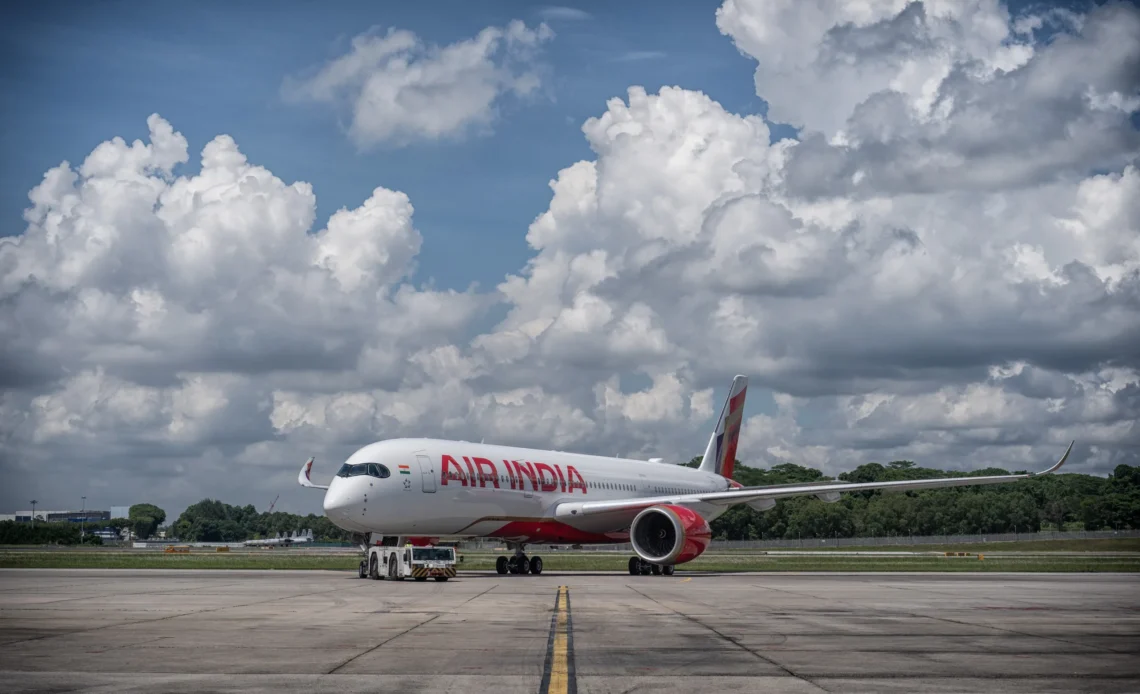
(427, 473)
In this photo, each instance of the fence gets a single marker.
(869, 541)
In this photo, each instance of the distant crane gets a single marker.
(273, 504)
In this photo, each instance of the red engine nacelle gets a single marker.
(669, 534)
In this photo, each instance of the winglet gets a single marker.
(1059, 463)
(303, 476)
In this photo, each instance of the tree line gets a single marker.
(1068, 501)
(211, 520)
(43, 533)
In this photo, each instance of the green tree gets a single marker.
(145, 518)
(211, 520)
(148, 511)
(46, 533)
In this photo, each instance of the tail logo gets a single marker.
(720, 456)
(732, 430)
(730, 435)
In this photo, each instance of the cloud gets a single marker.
(396, 89)
(925, 98)
(174, 335)
(150, 317)
(817, 60)
(569, 14)
(637, 56)
(915, 292)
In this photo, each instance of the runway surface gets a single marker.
(242, 631)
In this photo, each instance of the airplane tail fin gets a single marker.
(720, 455)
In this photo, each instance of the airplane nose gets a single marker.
(338, 501)
(345, 502)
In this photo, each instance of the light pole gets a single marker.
(33, 513)
(83, 521)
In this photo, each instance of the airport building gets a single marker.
(80, 516)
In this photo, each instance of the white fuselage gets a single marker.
(459, 489)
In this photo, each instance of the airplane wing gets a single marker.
(303, 476)
(730, 497)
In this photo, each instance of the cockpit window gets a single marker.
(370, 469)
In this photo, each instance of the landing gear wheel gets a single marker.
(634, 566)
(502, 565)
(374, 568)
(668, 570)
(524, 565)
(442, 578)
(513, 565)
(536, 565)
(656, 569)
(646, 568)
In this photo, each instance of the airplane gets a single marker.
(418, 490)
(291, 539)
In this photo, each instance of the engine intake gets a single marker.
(669, 534)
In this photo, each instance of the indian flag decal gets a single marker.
(405, 470)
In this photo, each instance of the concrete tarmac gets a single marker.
(284, 631)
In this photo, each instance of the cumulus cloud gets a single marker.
(150, 316)
(924, 97)
(164, 331)
(905, 292)
(397, 89)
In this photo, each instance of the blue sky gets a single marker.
(86, 73)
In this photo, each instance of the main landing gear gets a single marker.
(640, 567)
(519, 563)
